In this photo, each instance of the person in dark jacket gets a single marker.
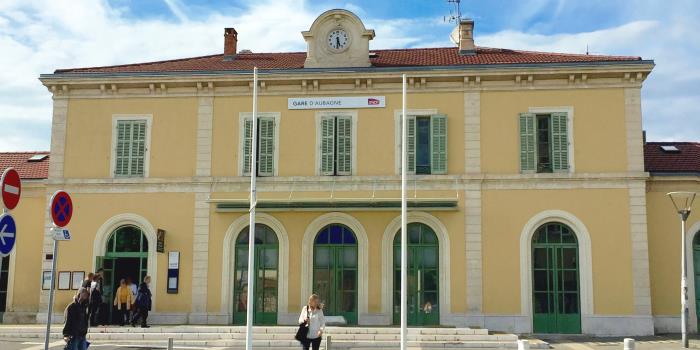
(95, 302)
(143, 303)
(76, 326)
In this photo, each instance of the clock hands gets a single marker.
(337, 42)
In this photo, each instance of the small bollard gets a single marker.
(328, 342)
(170, 343)
(629, 344)
(523, 344)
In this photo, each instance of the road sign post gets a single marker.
(61, 210)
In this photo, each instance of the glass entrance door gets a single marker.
(266, 266)
(555, 281)
(423, 276)
(335, 271)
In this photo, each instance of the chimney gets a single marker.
(230, 42)
(466, 37)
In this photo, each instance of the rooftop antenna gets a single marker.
(456, 14)
(587, 52)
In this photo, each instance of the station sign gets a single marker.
(336, 102)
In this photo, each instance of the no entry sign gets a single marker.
(11, 188)
(61, 208)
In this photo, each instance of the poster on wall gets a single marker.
(46, 280)
(77, 278)
(64, 280)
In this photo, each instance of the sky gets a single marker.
(39, 36)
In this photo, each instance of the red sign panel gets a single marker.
(61, 208)
(11, 187)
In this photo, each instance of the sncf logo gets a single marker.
(372, 101)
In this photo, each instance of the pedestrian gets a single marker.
(312, 315)
(86, 283)
(134, 291)
(143, 303)
(95, 300)
(76, 325)
(122, 300)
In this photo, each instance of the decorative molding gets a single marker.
(307, 250)
(473, 240)
(444, 264)
(472, 132)
(58, 137)
(640, 248)
(200, 254)
(584, 258)
(105, 231)
(205, 116)
(227, 267)
(633, 125)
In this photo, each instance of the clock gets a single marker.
(338, 39)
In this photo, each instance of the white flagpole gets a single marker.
(404, 221)
(251, 226)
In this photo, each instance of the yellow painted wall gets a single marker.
(505, 213)
(663, 230)
(297, 156)
(29, 216)
(169, 211)
(89, 135)
(599, 137)
(374, 223)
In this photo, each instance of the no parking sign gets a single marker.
(61, 208)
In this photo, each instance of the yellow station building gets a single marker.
(530, 206)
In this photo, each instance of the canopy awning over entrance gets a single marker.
(336, 204)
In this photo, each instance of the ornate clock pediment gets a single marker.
(337, 38)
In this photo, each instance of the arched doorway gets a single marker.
(423, 276)
(266, 260)
(335, 271)
(555, 280)
(126, 257)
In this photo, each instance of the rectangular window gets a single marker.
(265, 155)
(336, 145)
(427, 144)
(544, 143)
(130, 150)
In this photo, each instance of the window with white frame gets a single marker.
(544, 142)
(427, 143)
(336, 144)
(130, 148)
(266, 157)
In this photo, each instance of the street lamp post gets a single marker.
(683, 201)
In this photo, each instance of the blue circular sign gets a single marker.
(8, 234)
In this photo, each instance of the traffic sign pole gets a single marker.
(61, 211)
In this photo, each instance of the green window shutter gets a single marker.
(344, 158)
(121, 164)
(438, 144)
(266, 147)
(138, 148)
(411, 140)
(527, 142)
(247, 144)
(559, 141)
(327, 145)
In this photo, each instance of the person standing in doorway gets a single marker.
(312, 314)
(122, 300)
(134, 291)
(143, 303)
(76, 325)
(86, 283)
(95, 300)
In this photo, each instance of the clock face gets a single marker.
(338, 39)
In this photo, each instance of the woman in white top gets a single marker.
(312, 314)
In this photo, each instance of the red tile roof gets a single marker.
(686, 161)
(27, 170)
(444, 56)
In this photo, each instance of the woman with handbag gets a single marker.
(311, 324)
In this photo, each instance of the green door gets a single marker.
(423, 276)
(696, 268)
(4, 277)
(555, 280)
(266, 266)
(335, 271)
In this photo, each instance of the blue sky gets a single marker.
(38, 36)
